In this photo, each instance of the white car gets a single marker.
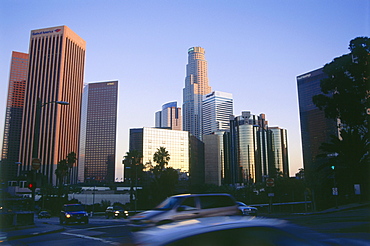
(247, 210)
(227, 231)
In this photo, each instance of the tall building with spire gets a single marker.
(196, 86)
(51, 130)
(13, 116)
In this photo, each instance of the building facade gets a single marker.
(253, 151)
(50, 131)
(13, 116)
(97, 153)
(147, 140)
(169, 117)
(217, 108)
(315, 127)
(196, 86)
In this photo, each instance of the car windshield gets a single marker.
(74, 208)
(241, 204)
(168, 204)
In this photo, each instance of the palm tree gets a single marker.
(162, 157)
(132, 160)
(71, 160)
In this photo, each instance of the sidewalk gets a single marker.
(39, 228)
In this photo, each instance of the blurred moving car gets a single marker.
(115, 212)
(44, 214)
(183, 207)
(230, 230)
(73, 213)
(247, 210)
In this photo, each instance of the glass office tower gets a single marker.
(196, 86)
(98, 133)
(55, 74)
(169, 117)
(217, 109)
(13, 117)
(315, 127)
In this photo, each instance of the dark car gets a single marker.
(44, 214)
(73, 213)
(115, 212)
(247, 210)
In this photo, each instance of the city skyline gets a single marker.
(254, 51)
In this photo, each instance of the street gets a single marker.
(99, 231)
(352, 223)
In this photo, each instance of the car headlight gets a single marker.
(116, 212)
(68, 216)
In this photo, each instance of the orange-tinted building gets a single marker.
(56, 72)
(13, 117)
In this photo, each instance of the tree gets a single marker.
(345, 98)
(162, 157)
(134, 167)
(71, 160)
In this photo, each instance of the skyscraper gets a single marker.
(196, 86)
(98, 132)
(169, 117)
(217, 108)
(55, 75)
(13, 117)
(315, 127)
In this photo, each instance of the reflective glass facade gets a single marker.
(150, 139)
(98, 132)
(315, 128)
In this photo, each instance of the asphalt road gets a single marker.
(351, 223)
(99, 231)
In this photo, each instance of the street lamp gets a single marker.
(36, 139)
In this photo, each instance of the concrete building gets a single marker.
(217, 108)
(214, 158)
(55, 76)
(169, 117)
(13, 116)
(97, 153)
(196, 86)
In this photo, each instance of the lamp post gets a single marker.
(36, 138)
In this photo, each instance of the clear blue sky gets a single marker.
(254, 49)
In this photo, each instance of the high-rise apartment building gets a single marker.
(55, 75)
(217, 108)
(196, 86)
(98, 132)
(13, 117)
(169, 117)
(315, 127)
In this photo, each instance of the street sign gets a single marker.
(335, 191)
(36, 163)
(270, 182)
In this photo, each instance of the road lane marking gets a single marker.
(91, 238)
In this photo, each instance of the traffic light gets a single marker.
(31, 185)
(333, 167)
